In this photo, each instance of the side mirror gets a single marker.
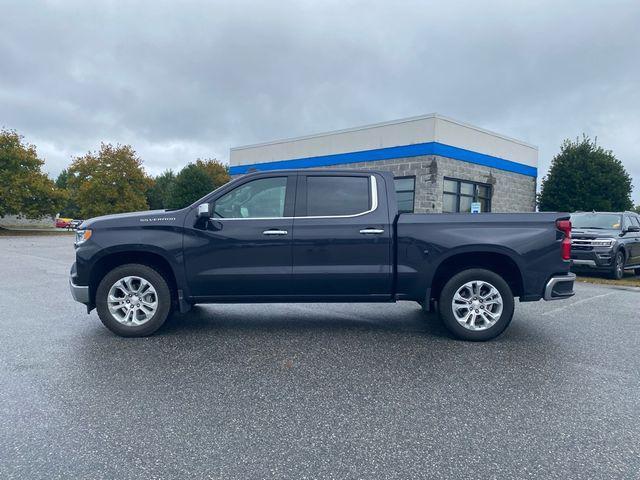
(204, 210)
(633, 228)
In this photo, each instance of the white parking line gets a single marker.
(560, 309)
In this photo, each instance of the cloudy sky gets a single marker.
(188, 79)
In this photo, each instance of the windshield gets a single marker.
(608, 221)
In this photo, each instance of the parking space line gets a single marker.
(560, 309)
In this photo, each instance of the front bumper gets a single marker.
(559, 287)
(80, 293)
(596, 259)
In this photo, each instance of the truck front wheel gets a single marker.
(133, 300)
(476, 305)
(617, 271)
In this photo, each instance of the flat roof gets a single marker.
(384, 124)
(423, 135)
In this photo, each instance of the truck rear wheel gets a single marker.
(133, 300)
(476, 305)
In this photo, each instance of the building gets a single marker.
(440, 164)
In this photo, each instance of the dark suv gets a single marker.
(606, 242)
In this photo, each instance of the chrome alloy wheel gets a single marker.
(477, 305)
(132, 301)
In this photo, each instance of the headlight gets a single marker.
(82, 236)
(602, 242)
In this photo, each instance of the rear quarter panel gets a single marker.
(531, 240)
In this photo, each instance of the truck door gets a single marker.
(245, 248)
(342, 237)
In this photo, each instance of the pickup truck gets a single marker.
(318, 236)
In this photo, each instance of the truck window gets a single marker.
(262, 198)
(333, 195)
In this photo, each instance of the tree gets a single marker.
(110, 180)
(196, 180)
(191, 184)
(69, 209)
(584, 176)
(218, 172)
(158, 194)
(24, 188)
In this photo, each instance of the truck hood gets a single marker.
(594, 233)
(133, 219)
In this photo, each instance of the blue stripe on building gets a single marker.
(418, 149)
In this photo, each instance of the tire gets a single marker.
(636, 271)
(143, 319)
(478, 327)
(618, 266)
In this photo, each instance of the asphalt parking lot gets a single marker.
(311, 391)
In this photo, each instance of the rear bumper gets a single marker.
(559, 287)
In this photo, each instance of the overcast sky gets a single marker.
(182, 80)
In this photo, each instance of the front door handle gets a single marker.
(371, 231)
(273, 231)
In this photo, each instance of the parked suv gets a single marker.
(606, 242)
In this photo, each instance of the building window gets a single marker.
(405, 193)
(458, 195)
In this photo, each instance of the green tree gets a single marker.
(218, 172)
(191, 184)
(196, 180)
(158, 194)
(70, 208)
(24, 188)
(110, 180)
(584, 176)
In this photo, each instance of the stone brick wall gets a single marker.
(511, 192)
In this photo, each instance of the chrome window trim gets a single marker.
(374, 207)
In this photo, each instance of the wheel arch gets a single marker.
(498, 262)
(114, 259)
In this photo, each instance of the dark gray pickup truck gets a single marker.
(318, 236)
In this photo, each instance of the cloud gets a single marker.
(181, 80)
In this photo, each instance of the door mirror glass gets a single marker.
(204, 210)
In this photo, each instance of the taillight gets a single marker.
(565, 227)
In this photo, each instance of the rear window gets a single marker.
(331, 196)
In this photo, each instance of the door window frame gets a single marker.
(296, 195)
(301, 195)
(289, 199)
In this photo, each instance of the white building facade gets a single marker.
(440, 164)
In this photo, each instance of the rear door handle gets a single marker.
(274, 231)
(371, 231)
